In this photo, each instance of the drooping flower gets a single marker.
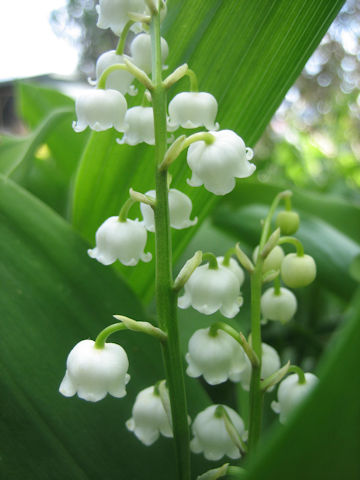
(216, 356)
(100, 109)
(149, 417)
(140, 51)
(123, 241)
(193, 110)
(291, 393)
(298, 270)
(211, 436)
(139, 126)
(273, 260)
(216, 165)
(179, 211)
(270, 363)
(280, 307)
(93, 372)
(119, 80)
(209, 290)
(114, 14)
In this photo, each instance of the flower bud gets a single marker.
(209, 290)
(273, 260)
(139, 126)
(270, 363)
(180, 207)
(288, 221)
(216, 165)
(140, 50)
(114, 14)
(93, 372)
(298, 271)
(123, 241)
(291, 393)
(279, 307)
(119, 80)
(216, 356)
(149, 417)
(193, 110)
(211, 436)
(100, 110)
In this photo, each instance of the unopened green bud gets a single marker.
(288, 222)
(298, 271)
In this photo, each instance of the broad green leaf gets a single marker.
(12, 150)
(45, 161)
(332, 250)
(19, 151)
(52, 296)
(321, 440)
(247, 54)
(35, 104)
(355, 268)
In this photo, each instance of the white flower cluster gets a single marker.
(216, 159)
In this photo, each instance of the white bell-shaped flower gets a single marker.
(100, 110)
(216, 356)
(114, 14)
(209, 290)
(93, 372)
(279, 307)
(270, 363)
(291, 393)
(180, 207)
(211, 436)
(216, 165)
(139, 126)
(149, 417)
(193, 110)
(119, 80)
(123, 241)
(140, 51)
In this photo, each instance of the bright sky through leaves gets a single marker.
(29, 45)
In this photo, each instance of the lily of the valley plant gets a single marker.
(216, 159)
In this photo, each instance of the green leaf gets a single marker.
(19, 152)
(35, 104)
(354, 269)
(44, 161)
(52, 296)
(322, 438)
(12, 151)
(247, 54)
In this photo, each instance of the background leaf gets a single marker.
(46, 160)
(52, 296)
(247, 54)
(35, 103)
